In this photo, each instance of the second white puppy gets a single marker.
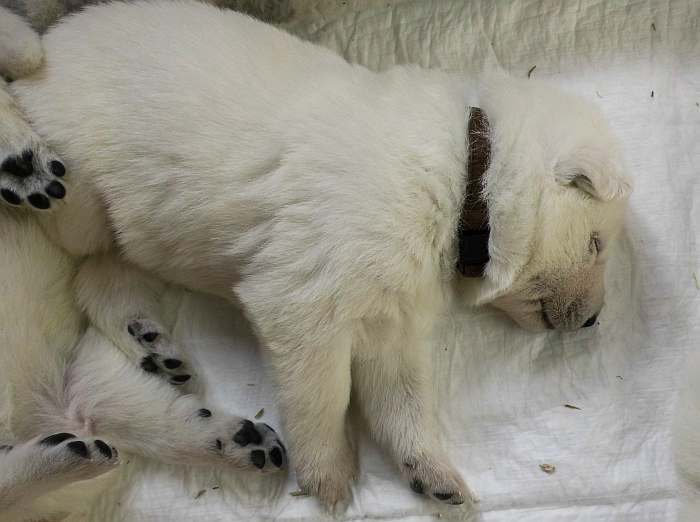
(69, 399)
(335, 203)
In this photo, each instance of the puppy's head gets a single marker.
(557, 193)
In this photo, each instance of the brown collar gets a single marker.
(473, 230)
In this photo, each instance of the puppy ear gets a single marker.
(602, 180)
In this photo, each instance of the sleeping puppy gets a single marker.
(342, 208)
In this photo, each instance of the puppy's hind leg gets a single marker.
(395, 397)
(124, 303)
(143, 415)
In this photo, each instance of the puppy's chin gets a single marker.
(529, 322)
(527, 316)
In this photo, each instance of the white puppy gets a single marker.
(227, 156)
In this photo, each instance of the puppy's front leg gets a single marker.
(395, 395)
(315, 392)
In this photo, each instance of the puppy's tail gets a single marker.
(20, 46)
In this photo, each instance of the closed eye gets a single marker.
(595, 245)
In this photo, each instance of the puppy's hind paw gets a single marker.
(75, 458)
(251, 446)
(163, 356)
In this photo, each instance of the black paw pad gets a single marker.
(172, 364)
(79, 448)
(204, 413)
(257, 457)
(149, 337)
(20, 166)
(247, 434)
(417, 486)
(11, 197)
(56, 190)
(103, 448)
(57, 168)
(56, 439)
(276, 457)
(180, 379)
(149, 365)
(39, 201)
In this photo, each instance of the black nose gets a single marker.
(591, 321)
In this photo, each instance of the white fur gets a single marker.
(238, 160)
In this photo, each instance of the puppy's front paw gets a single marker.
(31, 177)
(439, 481)
(328, 476)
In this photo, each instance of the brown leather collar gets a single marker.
(473, 230)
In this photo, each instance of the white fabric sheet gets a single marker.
(502, 391)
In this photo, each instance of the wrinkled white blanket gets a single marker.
(503, 393)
